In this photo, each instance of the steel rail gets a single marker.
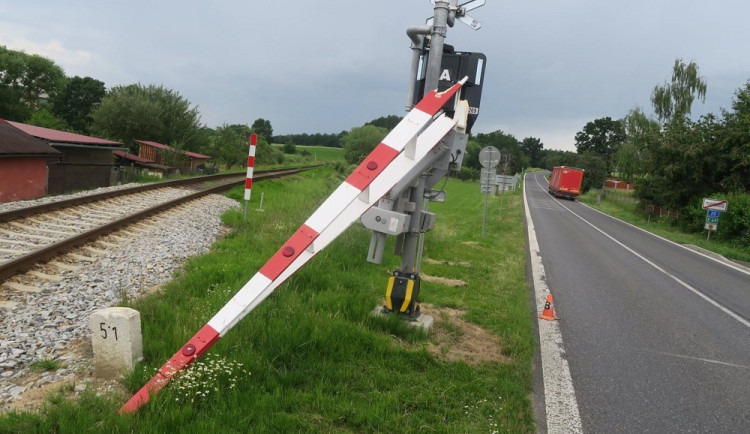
(20, 213)
(22, 263)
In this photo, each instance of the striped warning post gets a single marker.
(250, 165)
(371, 180)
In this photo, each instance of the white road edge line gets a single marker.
(736, 267)
(695, 291)
(697, 359)
(718, 261)
(559, 395)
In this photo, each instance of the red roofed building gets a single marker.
(167, 155)
(23, 164)
(123, 159)
(86, 162)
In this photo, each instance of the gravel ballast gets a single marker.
(53, 323)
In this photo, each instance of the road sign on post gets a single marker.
(713, 209)
(489, 156)
(715, 204)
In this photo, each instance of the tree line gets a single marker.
(34, 90)
(674, 161)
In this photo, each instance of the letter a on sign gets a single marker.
(446, 75)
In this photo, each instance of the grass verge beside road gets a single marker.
(311, 358)
(664, 227)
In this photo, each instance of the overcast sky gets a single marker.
(328, 66)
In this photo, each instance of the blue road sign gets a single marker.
(713, 213)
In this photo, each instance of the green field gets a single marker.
(319, 154)
(311, 357)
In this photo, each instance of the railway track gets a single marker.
(33, 235)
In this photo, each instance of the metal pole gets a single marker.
(420, 248)
(438, 33)
(484, 217)
(417, 41)
(434, 62)
(502, 196)
(260, 207)
(411, 238)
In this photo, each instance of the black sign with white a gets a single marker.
(454, 67)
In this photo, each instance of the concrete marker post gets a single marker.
(116, 340)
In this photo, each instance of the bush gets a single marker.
(467, 174)
(360, 141)
(289, 148)
(734, 224)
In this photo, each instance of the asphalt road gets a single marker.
(656, 336)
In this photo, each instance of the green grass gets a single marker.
(664, 227)
(319, 154)
(46, 365)
(311, 358)
(324, 153)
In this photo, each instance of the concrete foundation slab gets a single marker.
(422, 321)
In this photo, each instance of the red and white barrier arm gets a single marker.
(250, 165)
(377, 189)
(360, 186)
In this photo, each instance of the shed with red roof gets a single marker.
(167, 155)
(86, 162)
(23, 164)
(126, 160)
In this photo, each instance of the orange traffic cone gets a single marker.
(549, 312)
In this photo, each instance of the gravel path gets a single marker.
(53, 324)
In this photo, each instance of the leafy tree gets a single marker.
(263, 128)
(734, 144)
(388, 122)
(150, 112)
(596, 170)
(640, 130)
(317, 139)
(203, 143)
(552, 157)
(44, 118)
(471, 159)
(360, 141)
(673, 101)
(682, 163)
(532, 147)
(267, 154)
(629, 162)
(77, 99)
(231, 144)
(11, 106)
(603, 137)
(507, 144)
(25, 81)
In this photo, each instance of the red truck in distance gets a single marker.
(566, 182)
